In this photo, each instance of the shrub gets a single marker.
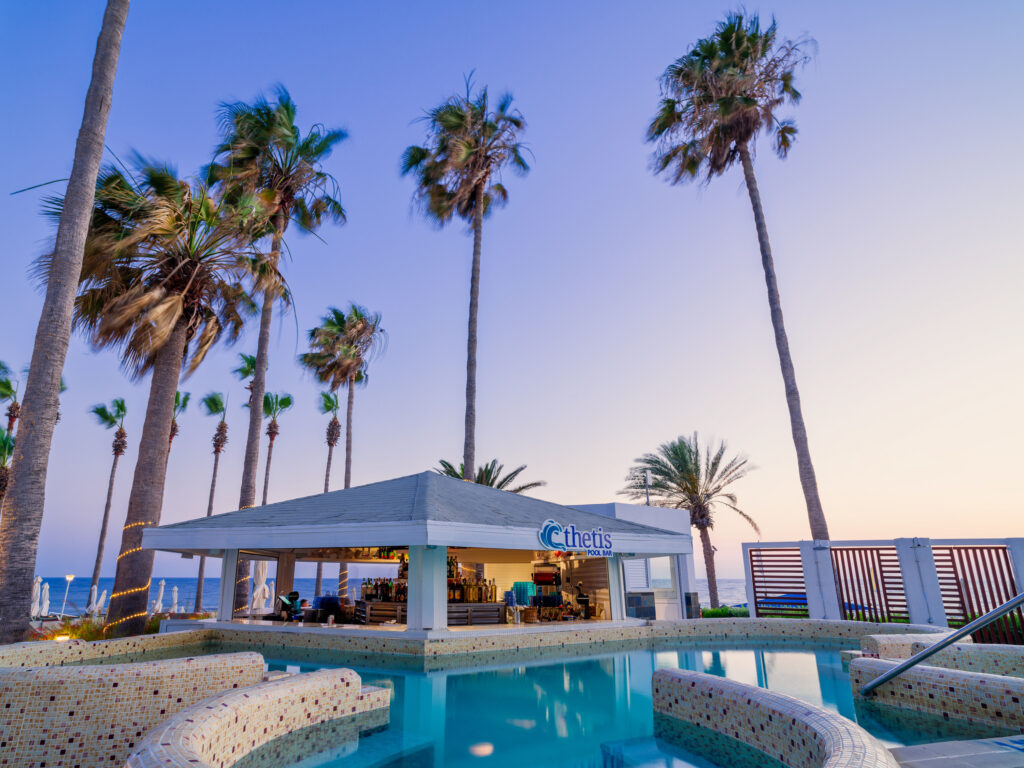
(725, 612)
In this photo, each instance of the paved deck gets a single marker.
(1004, 752)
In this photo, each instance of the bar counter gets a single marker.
(459, 614)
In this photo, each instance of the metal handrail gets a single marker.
(966, 629)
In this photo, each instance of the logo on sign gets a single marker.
(569, 538)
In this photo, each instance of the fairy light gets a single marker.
(122, 620)
(129, 552)
(131, 591)
(136, 524)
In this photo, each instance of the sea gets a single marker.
(730, 591)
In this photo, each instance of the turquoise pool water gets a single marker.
(593, 710)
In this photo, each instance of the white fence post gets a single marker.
(751, 602)
(820, 580)
(920, 581)
(1015, 548)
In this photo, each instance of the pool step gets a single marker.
(1003, 752)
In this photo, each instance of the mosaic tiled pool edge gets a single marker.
(221, 730)
(786, 729)
(972, 697)
(95, 715)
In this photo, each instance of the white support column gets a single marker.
(749, 578)
(428, 588)
(1015, 548)
(820, 580)
(685, 579)
(920, 581)
(226, 600)
(616, 592)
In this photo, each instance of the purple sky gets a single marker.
(617, 312)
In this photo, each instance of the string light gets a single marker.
(131, 591)
(136, 524)
(129, 552)
(122, 620)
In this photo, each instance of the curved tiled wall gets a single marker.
(789, 731)
(223, 729)
(94, 715)
(972, 697)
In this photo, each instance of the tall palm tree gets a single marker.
(109, 417)
(263, 152)
(490, 475)
(716, 100)
(341, 348)
(180, 405)
(23, 512)
(163, 280)
(458, 173)
(273, 406)
(215, 404)
(328, 405)
(685, 476)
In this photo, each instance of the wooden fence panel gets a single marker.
(869, 584)
(777, 576)
(975, 580)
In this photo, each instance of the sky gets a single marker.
(617, 312)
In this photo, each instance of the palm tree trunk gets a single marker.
(23, 506)
(469, 447)
(318, 586)
(348, 432)
(709, 565)
(266, 474)
(247, 494)
(103, 526)
(128, 602)
(327, 472)
(819, 528)
(198, 608)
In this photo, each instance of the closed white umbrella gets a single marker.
(91, 608)
(174, 599)
(44, 600)
(36, 586)
(158, 604)
(259, 591)
(100, 602)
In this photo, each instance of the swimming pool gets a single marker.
(593, 710)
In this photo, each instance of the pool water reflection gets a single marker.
(593, 711)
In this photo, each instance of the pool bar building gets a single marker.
(461, 548)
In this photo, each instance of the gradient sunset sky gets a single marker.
(617, 311)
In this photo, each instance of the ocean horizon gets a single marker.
(730, 591)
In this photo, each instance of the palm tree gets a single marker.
(716, 100)
(162, 281)
(458, 173)
(23, 515)
(273, 406)
(683, 476)
(180, 404)
(328, 404)
(490, 475)
(109, 417)
(340, 349)
(263, 152)
(215, 404)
